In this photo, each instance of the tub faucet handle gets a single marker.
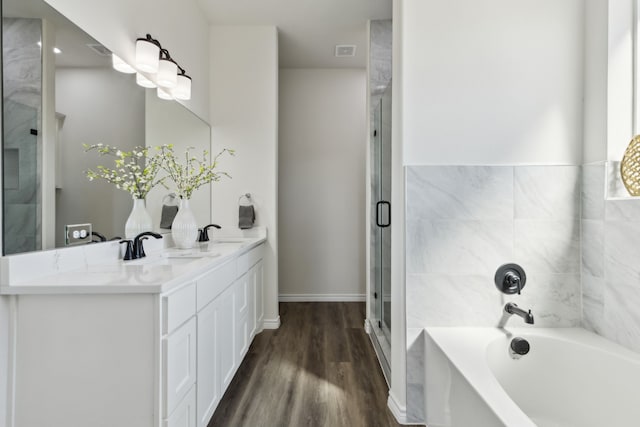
(510, 279)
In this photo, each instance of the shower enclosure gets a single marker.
(21, 139)
(381, 226)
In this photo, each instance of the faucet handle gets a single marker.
(128, 254)
(140, 248)
(510, 279)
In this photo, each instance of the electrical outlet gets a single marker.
(76, 234)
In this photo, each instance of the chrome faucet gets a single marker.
(512, 308)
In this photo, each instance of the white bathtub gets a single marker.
(570, 378)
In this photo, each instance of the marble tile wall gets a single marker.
(379, 57)
(22, 80)
(610, 260)
(463, 222)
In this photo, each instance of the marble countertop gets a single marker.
(160, 271)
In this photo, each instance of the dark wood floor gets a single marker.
(318, 369)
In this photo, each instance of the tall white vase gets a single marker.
(184, 228)
(139, 220)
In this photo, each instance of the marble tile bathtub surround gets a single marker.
(463, 222)
(460, 193)
(592, 191)
(547, 192)
(610, 253)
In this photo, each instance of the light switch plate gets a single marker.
(76, 234)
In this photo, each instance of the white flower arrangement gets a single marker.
(194, 172)
(135, 171)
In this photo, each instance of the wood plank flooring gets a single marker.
(318, 369)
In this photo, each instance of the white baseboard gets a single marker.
(271, 323)
(322, 297)
(367, 326)
(398, 411)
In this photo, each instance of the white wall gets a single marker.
(322, 149)
(244, 117)
(4, 359)
(595, 81)
(181, 27)
(620, 97)
(492, 82)
(397, 401)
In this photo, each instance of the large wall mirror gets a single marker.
(60, 92)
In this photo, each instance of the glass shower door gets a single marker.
(382, 235)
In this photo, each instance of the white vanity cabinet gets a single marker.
(135, 359)
(225, 327)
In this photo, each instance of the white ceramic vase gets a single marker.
(139, 220)
(184, 228)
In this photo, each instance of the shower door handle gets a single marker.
(379, 206)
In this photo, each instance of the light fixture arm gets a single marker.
(150, 39)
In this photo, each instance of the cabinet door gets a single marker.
(180, 365)
(208, 382)
(259, 303)
(251, 302)
(185, 413)
(242, 331)
(225, 334)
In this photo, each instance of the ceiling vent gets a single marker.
(99, 49)
(345, 50)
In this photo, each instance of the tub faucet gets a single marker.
(512, 308)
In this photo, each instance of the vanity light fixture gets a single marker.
(144, 82)
(119, 65)
(167, 71)
(148, 54)
(160, 70)
(182, 90)
(164, 94)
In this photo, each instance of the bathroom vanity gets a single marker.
(97, 341)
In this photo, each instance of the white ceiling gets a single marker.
(308, 30)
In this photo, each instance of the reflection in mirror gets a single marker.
(55, 103)
(171, 123)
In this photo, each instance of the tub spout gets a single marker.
(512, 308)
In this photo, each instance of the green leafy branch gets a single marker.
(194, 172)
(135, 171)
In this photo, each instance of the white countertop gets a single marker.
(160, 271)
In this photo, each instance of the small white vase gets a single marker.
(184, 228)
(139, 220)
